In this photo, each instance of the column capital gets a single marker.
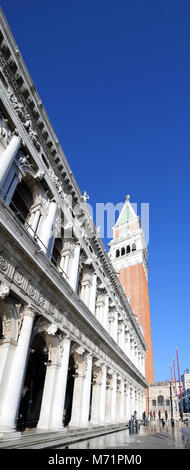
(66, 339)
(4, 290)
(30, 311)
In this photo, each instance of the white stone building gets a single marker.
(64, 316)
(185, 379)
(165, 396)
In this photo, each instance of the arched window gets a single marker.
(22, 201)
(134, 247)
(117, 254)
(56, 254)
(160, 400)
(122, 251)
(128, 249)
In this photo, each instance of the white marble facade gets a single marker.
(68, 334)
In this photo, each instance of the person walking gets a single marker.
(159, 414)
(166, 415)
(154, 415)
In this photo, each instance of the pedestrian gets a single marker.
(135, 415)
(154, 415)
(150, 414)
(159, 414)
(181, 415)
(166, 415)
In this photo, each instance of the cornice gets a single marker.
(17, 75)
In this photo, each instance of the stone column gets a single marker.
(74, 274)
(98, 395)
(127, 342)
(100, 306)
(108, 398)
(142, 409)
(132, 400)
(85, 404)
(35, 217)
(57, 406)
(131, 407)
(113, 399)
(85, 292)
(131, 349)
(66, 259)
(113, 319)
(135, 354)
(11, 395)
(106, 309)
(48, 394)
(135, 399)
(138, 358)
(139, 414)
(82, 389)
(92, 298)
(102, 397)
(122, 403)
(125, 403)
(7, 350)
(128, 402)
(143, 363)
(45, 232)
(52, 368)
(87, 286)
(8, 342)
(8, 156)
(118, 400)
(121, 330)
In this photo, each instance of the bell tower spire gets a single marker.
(128, 254)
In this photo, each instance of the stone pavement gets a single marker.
(153, 436)
(156, 436)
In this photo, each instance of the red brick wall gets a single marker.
(135, 283)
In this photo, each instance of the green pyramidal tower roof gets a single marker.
(127, 214)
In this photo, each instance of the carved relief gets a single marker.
(4, 291)
(5, 132)
(25, 118)
(3, 263)
(12, 316)
(18, 277)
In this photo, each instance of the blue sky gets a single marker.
(114, 78)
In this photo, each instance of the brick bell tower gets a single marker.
(128, 254)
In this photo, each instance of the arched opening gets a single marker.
(117, 254)
(134, 247)
(122, 251)
(69, 392)
(160, 400)
(31, 399)
(56, 253)
(1, 328)
(22, 201)
(45, 161)
(128, 249)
